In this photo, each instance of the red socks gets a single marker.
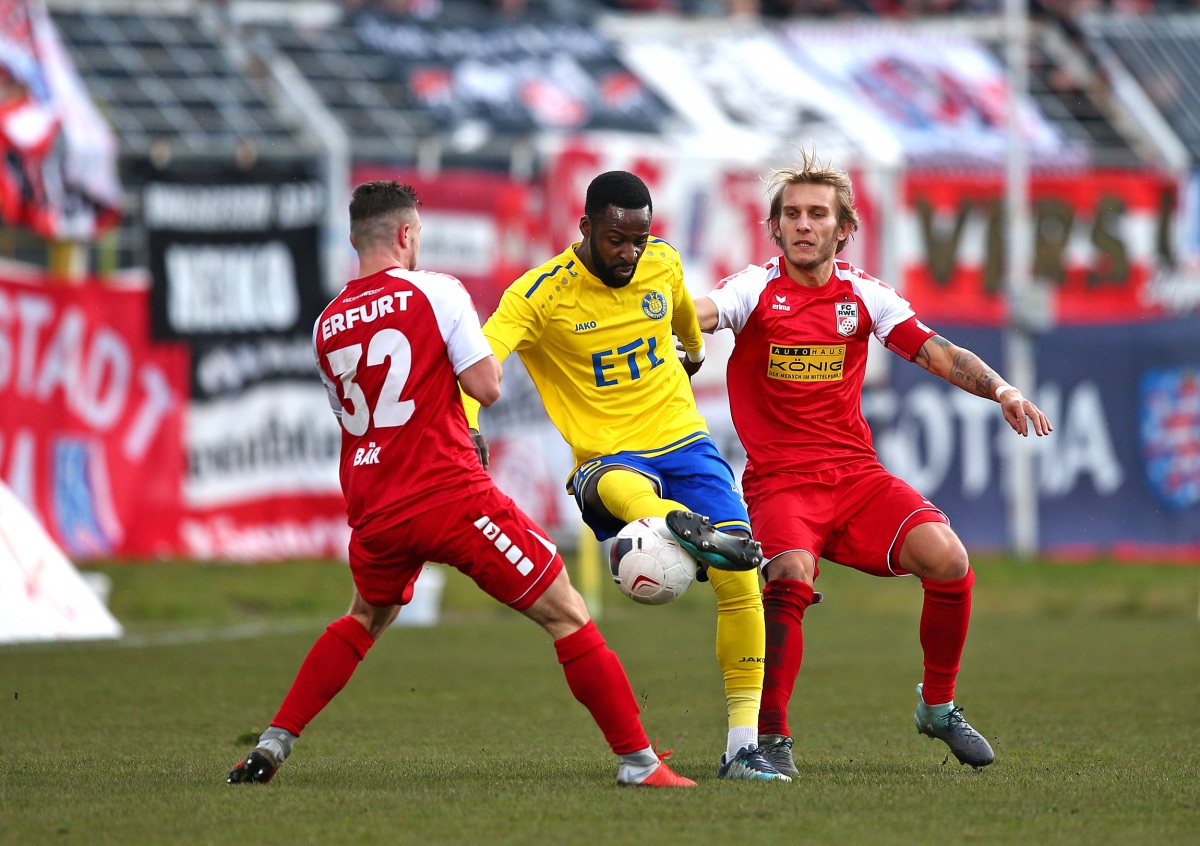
(784, 603)
(945, 616)
(330, 663)
(597, 679)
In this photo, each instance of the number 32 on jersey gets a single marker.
(389, 410)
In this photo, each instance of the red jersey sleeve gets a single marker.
(907, 338)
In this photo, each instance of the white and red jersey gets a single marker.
(390, 348)
(796, 373)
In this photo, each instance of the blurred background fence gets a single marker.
(173, 198)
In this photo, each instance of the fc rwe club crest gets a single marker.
(847, 318)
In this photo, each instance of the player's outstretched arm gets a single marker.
(706, 314)
(961, 367)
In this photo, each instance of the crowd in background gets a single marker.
(1061, 9)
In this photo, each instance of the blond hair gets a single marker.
(811, 171)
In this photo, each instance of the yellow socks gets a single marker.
(630, 496)
(741, 646)
(741, 638)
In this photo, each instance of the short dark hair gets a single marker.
(618, 188)
(376, 207)
(379, 197)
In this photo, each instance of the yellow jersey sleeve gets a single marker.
(684, 322)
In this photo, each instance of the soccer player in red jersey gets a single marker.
(392, 349)
(813, 483)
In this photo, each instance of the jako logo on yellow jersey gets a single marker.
(654, 305)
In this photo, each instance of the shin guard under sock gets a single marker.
(740, 643)
(945, 616)
(784, 604)
(597, 679)
(329, 664)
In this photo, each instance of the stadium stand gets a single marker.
(170, 76)
(183, 78)
(1162, 53)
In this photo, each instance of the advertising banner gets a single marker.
(1100, 239)
(476, 225)
(1120, 474)
(233, 252)
(91, 417)
(236, 273)
(1175, 285)
(509, 77)
(943, 95)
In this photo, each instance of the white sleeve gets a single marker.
(884, 304)
(736, 296)
(457, 319)
(331, 394)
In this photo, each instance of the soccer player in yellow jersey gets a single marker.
(594, 327)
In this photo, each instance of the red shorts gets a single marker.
(857, 515)
(486, 536)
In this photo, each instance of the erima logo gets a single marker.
(583, 327)
(366, 455)
(780, 303)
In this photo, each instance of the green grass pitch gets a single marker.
(1085, 678)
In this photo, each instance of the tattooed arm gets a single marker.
(962, 368)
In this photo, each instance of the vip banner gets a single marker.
(1100, 241)
(91, 418)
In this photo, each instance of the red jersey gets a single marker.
(796, 372)
(390, 348)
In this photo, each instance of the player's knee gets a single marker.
(374, 618)
(561, 610)
(792, 565)
(946, 562)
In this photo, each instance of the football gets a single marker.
(648, 564)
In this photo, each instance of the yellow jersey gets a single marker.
(603, 359)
